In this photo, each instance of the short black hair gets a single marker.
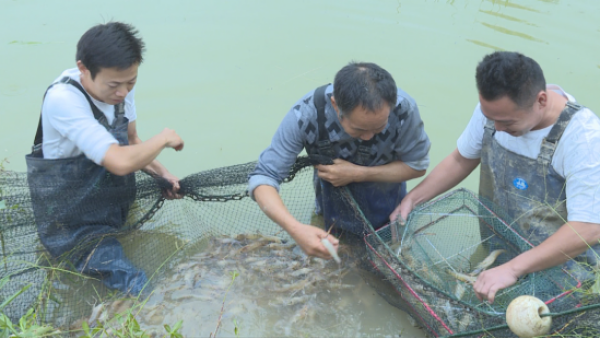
(512, 74)
(110, 45)
(364, 84)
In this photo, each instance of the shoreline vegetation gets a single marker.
(120, 324)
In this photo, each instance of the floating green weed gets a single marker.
(21, 42)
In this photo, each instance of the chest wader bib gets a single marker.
(79, 207)
(530, 190)
(377, 200)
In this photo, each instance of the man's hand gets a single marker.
(172, 139)
(491, 281)
(341, 173)
(403, 210)
(171, 194)
(309, 239)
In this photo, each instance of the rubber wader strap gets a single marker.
(549, 143)
(325, 156)
(559, 127)
(98, 115)
(319, 101)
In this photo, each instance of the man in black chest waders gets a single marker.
(540, 161)
(368, 137)
(85, 153)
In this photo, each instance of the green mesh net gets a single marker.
(433, 260)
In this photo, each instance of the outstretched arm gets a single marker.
(306, 236)
(447, 174)
(273, 167)
(572, 239)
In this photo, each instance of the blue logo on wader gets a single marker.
(520, 183)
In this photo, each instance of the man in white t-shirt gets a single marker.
(540, 161)
(85, 152)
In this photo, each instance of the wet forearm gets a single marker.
(122, 160)
(569, 241)
(270, 203)
(154, 167)
(447, 174)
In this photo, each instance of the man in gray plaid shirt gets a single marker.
(368, 136)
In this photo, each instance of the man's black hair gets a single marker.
(110, 45)
(364, 84)
(512, 74)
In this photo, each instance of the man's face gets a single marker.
(508, 117)
(111, 85)
(361, 123)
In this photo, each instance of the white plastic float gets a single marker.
(523, 317)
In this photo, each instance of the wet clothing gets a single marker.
(402, 139)
(79, 206)
(532, 190)
(68, 127)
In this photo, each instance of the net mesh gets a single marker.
(433, 260)
(447, 238)
(157, 234)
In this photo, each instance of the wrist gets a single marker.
(293, 227)
(165, 141)
(361, 173)
(516, 267)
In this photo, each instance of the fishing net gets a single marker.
(156, 234)
(429, 260)
(217, 225)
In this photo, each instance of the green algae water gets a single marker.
(224, 73)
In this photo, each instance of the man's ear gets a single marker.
(82, 67)
(333, 103)
(336, 108)
(542, 99)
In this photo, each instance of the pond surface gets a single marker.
(224, 73)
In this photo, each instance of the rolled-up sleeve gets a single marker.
(412, 146)
(70, 115)
(275, 162)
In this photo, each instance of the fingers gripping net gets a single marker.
(433, 260)
(155, 234)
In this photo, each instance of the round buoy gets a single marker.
(523, 317)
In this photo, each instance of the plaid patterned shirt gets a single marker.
(403, 139)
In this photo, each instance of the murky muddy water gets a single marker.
(269, 289)
(224, 73)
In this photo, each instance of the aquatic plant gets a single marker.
(120, 324)
(234, 275)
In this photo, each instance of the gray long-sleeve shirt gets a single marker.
(403, 139)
